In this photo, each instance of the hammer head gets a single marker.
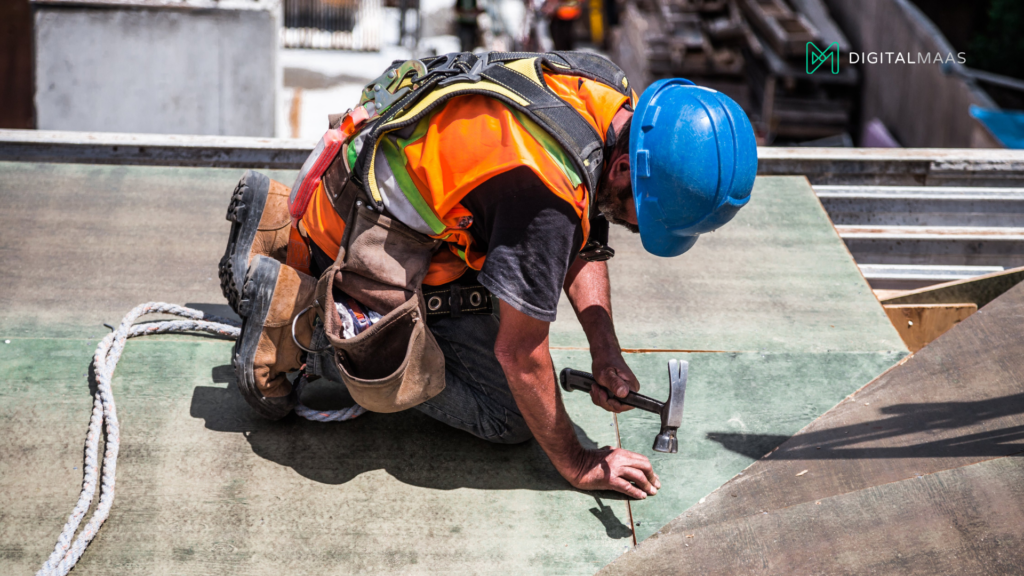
(672, 412)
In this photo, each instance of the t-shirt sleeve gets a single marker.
(530, 236)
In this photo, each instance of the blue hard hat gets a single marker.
(693, 159)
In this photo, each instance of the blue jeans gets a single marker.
(476, 397)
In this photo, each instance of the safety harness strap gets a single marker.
(516, 79)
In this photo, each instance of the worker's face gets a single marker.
(615, 194)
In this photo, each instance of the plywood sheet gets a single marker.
(957, 403)
(738, 407)
(920, 324)
(961, 521)
(777, 278)
(205, 486)
(980, 290)
(83, 244)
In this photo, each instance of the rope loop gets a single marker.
(103, 421)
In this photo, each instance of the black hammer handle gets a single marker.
(575, 380)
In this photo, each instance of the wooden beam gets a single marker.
(980, 290)
(919, 324)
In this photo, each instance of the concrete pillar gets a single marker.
(142, 66)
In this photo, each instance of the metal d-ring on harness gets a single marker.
(296, 340)
(104, 419)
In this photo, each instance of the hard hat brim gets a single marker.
(657, 238)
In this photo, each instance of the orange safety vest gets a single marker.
(462, 144)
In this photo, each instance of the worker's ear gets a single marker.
(619, 169)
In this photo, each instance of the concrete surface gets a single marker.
(204, 486)
(160, 70)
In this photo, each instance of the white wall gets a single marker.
(157, 70)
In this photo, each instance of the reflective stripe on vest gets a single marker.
(562, 129)
(405, 201)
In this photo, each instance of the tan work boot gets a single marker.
(260, 227)
(266, 350)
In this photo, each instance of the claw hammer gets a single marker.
(671, 411)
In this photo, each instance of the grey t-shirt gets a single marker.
(530, 236)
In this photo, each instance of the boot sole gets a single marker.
(258, 290)
(244, 212)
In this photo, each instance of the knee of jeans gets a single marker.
(515, 431)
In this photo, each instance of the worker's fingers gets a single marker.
(638, 478)
(621, 485)
(601, 398)
(630, 378)
(609, 376)
(640, 462)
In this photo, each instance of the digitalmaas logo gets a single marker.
(815, 57)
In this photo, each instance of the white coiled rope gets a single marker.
(66, 553)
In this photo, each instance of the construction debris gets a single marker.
(756, 51)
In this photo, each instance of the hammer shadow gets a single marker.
(409, 445)
(977, 439)
(613, 527)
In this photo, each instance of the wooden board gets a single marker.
(962, 521)
(919, 324)
(956, 403)
(777, 278)
(980, 290)
(738, 408)
(204, 486)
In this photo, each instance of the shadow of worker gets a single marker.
(410, 446)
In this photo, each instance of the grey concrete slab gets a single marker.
(123, 68)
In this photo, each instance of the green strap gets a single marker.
(550, 145)
(394, 153)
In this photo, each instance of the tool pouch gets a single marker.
(396, 363)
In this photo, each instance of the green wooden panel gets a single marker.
(777, 278)
(205, 486)
(738, 407)
(955, 403)
(83, 244)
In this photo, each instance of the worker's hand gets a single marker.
(613, 375)
(615, 469)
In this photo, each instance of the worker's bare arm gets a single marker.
(522, 350)
(588, 289)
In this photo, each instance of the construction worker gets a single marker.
(460, 178)
(467, 27)
(562, 16)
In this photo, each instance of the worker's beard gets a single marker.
(613, 203)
